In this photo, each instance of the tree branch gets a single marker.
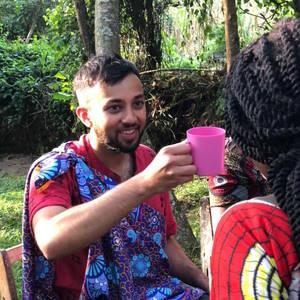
(34, 20)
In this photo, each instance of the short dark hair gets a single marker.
(109, 69)
(262, 108)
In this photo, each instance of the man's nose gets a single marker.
(129, 116)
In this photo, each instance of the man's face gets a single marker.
(118, 114)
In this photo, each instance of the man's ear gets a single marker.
(83, 115)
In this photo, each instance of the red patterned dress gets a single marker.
(253, 255)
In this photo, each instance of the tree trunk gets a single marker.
(206, 235)
(107, 27)
(152, 43)
(146, 20)
(85, 32)
(231, 31)
(184, 236)
(35, 18)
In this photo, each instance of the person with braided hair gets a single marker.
(256, 246)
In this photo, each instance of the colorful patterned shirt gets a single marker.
(129, 262)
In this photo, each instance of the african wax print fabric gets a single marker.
(253, 255)
(128, 262)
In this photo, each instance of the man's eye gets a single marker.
(114, 108)
(139, 103)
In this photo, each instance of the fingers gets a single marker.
(178, 149)
(172, 165)
(183, 160)
(177, 155)
(181, 171)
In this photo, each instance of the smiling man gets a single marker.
(97, 217)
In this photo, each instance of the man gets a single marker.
(121, 244)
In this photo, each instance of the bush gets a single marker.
(35, 97)
(178, 100)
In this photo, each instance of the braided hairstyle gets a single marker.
(262, 111)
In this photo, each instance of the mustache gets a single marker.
(129, 126)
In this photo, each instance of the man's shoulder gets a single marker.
(143, 155)
(145, 149)
(145, 152)
(78, 146)
(57, 160)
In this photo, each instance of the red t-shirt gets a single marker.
(69, 270)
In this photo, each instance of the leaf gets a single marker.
(61, 96)
(60, 76)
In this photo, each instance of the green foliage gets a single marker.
(214, 48)
(269, 12)
(190, 195)
(191, 37)
(172, 56)
(11, 205)
(17, 271)
(29, 115)
(192, 191)
(254, 18)
(62, 25)
(16, 17)
(178, 42)
(247, 31)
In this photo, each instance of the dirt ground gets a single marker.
(15, 164)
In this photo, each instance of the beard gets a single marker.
(113, 144)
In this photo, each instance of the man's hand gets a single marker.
(183, 268)
(173, 165)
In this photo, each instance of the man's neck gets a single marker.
(118, 162)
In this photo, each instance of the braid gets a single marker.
(262, 110)
(284, 180)
(288, 63)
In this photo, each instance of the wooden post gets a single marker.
(7, 282)
(206, 235)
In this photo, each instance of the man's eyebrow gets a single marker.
(118, 100)
(139, 96)
(115, 100)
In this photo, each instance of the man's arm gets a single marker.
(59, 231)
(183, 268)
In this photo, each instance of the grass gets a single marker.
(11, 203)
(190, 194)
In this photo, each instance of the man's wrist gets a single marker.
(140, 186)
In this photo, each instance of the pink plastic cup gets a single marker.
(207, 144)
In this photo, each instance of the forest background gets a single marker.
(43, 43)
(181, 47)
